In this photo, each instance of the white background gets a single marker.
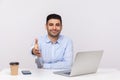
(91, 24)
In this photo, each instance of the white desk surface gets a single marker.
(43, 74)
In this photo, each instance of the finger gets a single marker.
(38, 55)
(37, 51)
(36, 41)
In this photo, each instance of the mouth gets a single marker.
(54, 31)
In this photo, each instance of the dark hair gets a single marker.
(53, 16)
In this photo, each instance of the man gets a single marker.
(54, 51)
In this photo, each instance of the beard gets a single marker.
(54, 35)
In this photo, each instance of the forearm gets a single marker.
(62, 65)
(58, 65)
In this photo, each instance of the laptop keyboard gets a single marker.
(67, 73)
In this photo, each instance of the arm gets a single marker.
(35, 51)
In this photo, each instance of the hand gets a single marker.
(36, 50)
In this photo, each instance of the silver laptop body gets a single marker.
(85, 62)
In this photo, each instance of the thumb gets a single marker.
(36, 43)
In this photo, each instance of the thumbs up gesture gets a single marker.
(36, 50)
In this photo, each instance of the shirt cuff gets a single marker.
(39, 62)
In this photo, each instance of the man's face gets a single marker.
(54, 27)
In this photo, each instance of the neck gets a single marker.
(53, 39)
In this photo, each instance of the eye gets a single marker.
(50, 24)
(57, 24)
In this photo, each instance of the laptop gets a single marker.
(85, 62)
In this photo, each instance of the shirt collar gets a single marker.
(58, 41)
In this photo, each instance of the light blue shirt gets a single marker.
(57, 55)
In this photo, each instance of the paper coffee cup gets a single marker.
(14, 68)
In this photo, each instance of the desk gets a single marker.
(43, 74)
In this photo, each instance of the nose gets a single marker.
(54, 27)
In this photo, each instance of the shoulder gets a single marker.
(65, 38)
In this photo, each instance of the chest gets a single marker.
(52, 51)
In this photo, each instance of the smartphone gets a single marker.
(26, 72)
